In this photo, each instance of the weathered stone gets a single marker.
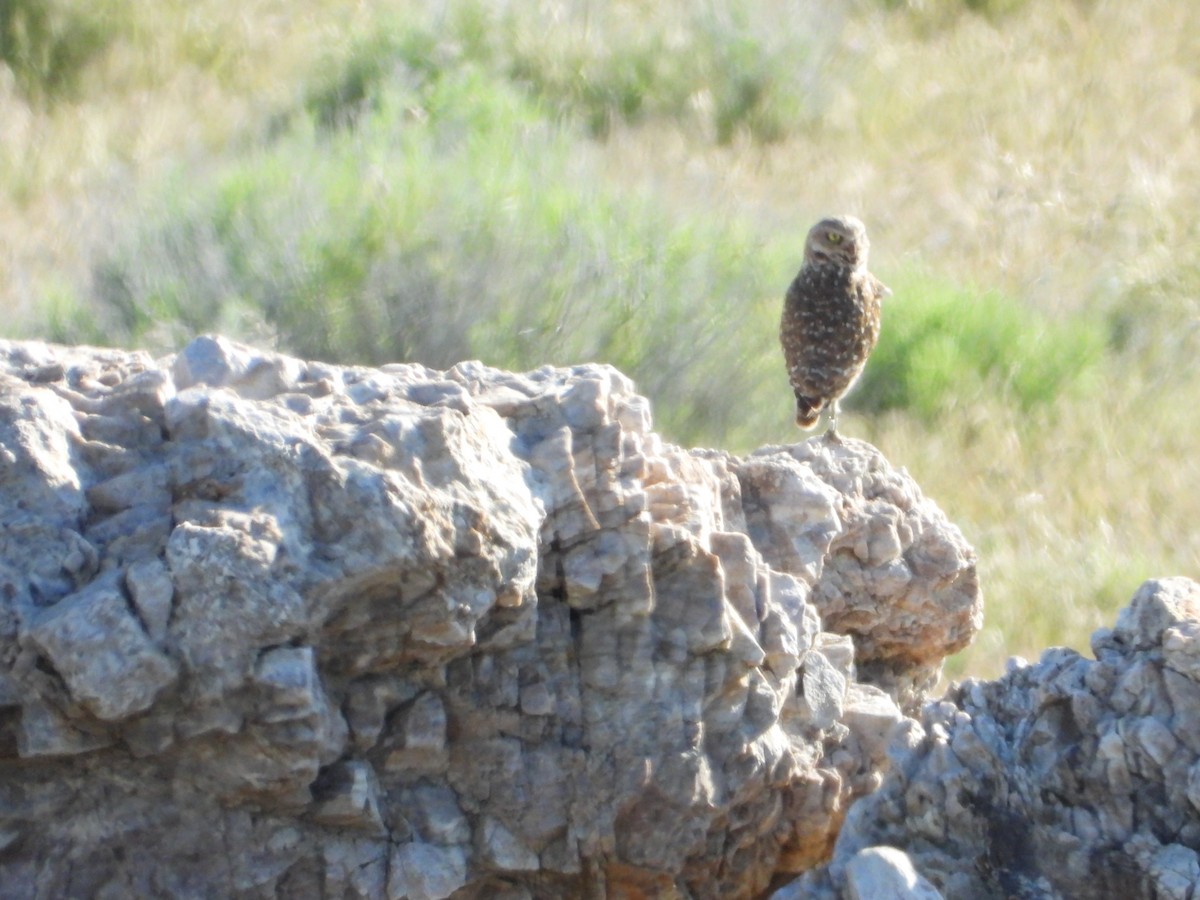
(503, 850)
(418, 742)
(223, 573)
(350, 867)
(426, 872)
(885, 873)
(108, 662)
(1068, 778)
(149, 584)
(404, 633)
(1174, 872)
(1157, 606)
(45, 731)
(347, 794)
(823, 689)
(435, 813)
(885, 566)
(217, 362)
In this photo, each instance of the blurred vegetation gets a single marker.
(46, 44)
(559, 182)
(465, 235)
(721, 69)
(928, 14)
(949, 345)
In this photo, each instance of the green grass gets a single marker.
(945, 345)
(630, 183)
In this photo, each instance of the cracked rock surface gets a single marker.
(277, 628)
(1071, 778)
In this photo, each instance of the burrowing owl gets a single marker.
(830, 318)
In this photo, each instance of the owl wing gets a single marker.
(871, 292)
(791, 326)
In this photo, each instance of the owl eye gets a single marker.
(833, 237)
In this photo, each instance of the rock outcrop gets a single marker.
(281, 628)
(1072, 778)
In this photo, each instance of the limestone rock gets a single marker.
(101, 651)
(1069, 778)
(885, 873)
(884, 565)
(295, 629)
(873, 873)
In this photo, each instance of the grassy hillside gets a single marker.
(631, 182)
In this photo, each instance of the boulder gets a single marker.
(1072, 777)
(273, 627)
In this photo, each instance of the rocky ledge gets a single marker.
(1073, 778)
(275, 628)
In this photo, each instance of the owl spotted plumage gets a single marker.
(830, 318)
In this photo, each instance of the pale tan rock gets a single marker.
(884, 565)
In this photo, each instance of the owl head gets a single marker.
(841, 240)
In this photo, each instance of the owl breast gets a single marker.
(830, 325)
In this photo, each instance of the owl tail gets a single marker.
(808, 411)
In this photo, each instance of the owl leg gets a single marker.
(831, 433)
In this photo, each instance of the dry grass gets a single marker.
(177, 82)
(1053, 155)
(1049, 153)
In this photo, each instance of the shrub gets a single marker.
(1155, 320)
(47, 43)
(941, 12)
(942, 344)
(732, 74)
(451, 223)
